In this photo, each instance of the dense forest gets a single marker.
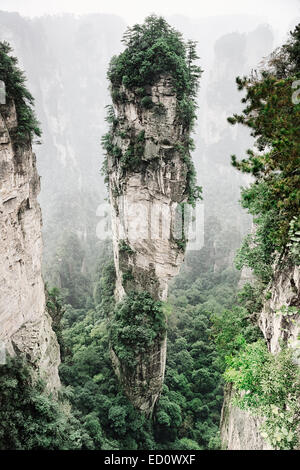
(213, 336)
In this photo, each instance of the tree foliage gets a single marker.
(152, 49)
(16, 91)
(268, 385)
(136, 323)
(30, 418)
(274, 119)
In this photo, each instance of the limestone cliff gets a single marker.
(276, 325)
(145, 193)
(25, 326)
(240, 430)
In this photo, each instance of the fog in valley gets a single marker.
(66, 58)
(65, 49)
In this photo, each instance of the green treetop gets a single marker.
(14, 80)
(274, 119)
(152, 49)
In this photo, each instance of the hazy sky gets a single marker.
(279, 13)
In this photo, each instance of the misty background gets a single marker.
(65, 57)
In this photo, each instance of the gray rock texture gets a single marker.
(145, 201)
(25, 326)
(240, 430)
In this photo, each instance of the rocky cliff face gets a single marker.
(25, 327)
(65, 58)
(240, 430)
(278, 325)
(147, 181)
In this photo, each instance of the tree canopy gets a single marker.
(274, 119)
(154, 48)
(14, 80)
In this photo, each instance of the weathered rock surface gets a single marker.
(25, 326)
(144, 206)
(285, 292)
(240, 430)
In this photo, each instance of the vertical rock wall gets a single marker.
(25, 327)
(147, 181)
(240, 430)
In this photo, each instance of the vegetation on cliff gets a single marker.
(274, 198)
(153, 50)
(153, 88)
(211, 329)
(270, 388)
(30, 417)
(267, 385)
(136, 323)
(14, 80)
(101, 416)
(187, 414)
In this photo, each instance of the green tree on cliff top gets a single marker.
(274, 119)
(14, 80)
